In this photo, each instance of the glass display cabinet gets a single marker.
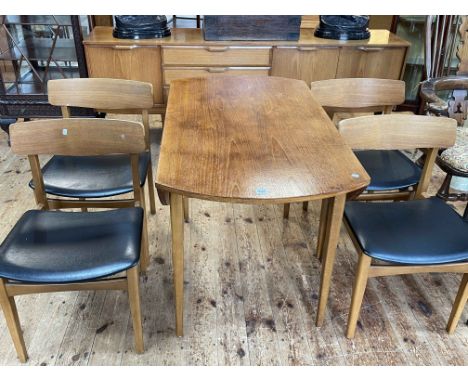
(33, 50)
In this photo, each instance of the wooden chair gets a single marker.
(83, 178)
(453, 161)
(52, 251)
(369, 95)
(416, 236)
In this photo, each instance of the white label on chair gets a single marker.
(355, 175)
(64, 131)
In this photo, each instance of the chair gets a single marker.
(391, 172)
(52, 251)
(93, 177)
(454, 160)
(416, 236)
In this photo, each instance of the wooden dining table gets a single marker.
(254, 140)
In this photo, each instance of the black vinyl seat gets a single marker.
(65, 247)
(91, 176)
(389, 169)
(417, 232)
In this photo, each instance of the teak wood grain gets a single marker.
(101, 93)
(398, 132)
(354, 93)
(253, 140)
(78, 136)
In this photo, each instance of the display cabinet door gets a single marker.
(127, 62)
(305, 63)
(373, 62)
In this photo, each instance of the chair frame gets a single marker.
(104, 94)
(358, 95)
(393, 132)
(47, 137)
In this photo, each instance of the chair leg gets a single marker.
(12, 320)
(150, 182)
(145, 255)
(133, 281)
(323, 224)
(186, 209)
(458, 305)
(305, 206)
(359, 287)
(286, 211)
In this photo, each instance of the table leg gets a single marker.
(323, 226)
(336, 209)
(177, 225)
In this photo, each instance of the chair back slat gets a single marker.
(398, 132)
(78, 137)
(358, 93)
(100, 93)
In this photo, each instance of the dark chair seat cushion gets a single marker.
(91, 176)
(389, 169)
(64, 247)
(418, 232)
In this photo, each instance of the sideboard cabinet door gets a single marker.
(373, 62)
(127, 62)
(305, 63)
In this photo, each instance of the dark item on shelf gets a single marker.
(141, 27)
(220, 28)
(343, 27)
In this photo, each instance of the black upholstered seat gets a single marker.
(91, 176)
(63, 247)
(418, 232)
(389, 169)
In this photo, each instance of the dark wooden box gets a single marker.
(219, 28)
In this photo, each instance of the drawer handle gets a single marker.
(367, 49)
(217, 48)
(216, 70)
(307, 48)
(124, 47)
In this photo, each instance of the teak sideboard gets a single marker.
(186, 54)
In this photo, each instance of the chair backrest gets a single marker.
(76, 137)
(358, 94)
(456, 106)
(101, 93)
(400, 132)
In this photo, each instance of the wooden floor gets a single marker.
(251, 297)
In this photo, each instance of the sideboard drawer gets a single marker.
(216, 56)
(187, 72)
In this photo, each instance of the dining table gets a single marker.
(254, 140)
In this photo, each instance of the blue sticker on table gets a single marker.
(261, 191)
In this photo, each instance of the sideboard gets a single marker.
(186, 54)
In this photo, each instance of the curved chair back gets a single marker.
(101, 93)
(77, 137)
(399, 132)
(457, 105)
(358, 94)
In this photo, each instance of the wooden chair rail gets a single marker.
(398, 132)
(77, 136)
(17, 289)
(101, 93)
(352, 93)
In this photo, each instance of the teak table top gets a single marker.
(253, 140)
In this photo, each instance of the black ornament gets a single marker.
(141, 27)
(343, 27)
